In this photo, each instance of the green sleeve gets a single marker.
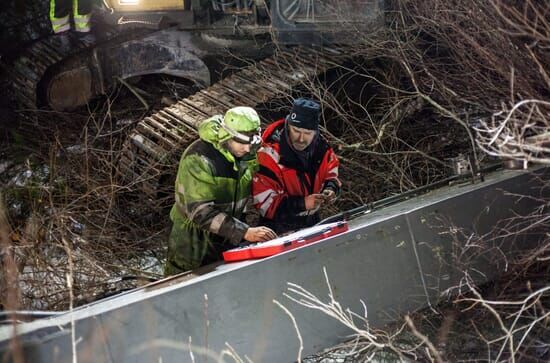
(196, 190)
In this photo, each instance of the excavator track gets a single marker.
(152, 150)
(29, 68)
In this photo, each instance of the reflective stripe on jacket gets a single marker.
(212, 188)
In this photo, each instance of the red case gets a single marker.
(237, 254)
(285, 243)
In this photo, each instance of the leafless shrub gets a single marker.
(74, 209)
(455, 65)
(476, 74)
(519, 133)
(505, 321)
(9, 286)
(366, 343)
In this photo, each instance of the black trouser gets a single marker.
(63, 8)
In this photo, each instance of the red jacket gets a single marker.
(286, 176)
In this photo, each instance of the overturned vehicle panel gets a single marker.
(395, 259)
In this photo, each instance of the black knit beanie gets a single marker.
(305, 114)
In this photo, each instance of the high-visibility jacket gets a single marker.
(60, 11)
(285, 178)
(212, 190)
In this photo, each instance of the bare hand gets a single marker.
(259, 234)
(330, 195)
(314, 201)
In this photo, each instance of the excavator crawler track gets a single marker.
(151, 152)
(28, 69)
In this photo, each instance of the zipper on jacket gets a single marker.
(305, 185)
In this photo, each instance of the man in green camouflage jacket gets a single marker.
(213, 186)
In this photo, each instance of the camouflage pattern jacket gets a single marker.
(212, 186)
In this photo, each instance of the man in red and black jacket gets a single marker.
(298, 171)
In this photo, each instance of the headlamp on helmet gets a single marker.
(242, 124)
(251, 138)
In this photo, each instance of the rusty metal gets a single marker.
(152, 151)
(69, 88)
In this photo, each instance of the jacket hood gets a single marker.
(211, 131)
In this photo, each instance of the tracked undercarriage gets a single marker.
(28, 71)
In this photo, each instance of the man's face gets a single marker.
(237, 149)
(300, 138)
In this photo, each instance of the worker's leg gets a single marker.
(82, 14)
(60, 11)
(187, 246)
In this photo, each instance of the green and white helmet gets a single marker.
(241, 124)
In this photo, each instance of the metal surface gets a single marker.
(394, 199)
(395, 260)
(296, 22)
(169, 51)
(146, 5)
(460, 164)
(325, 21)
(42, 62)
(28, 69)
(70, 88)
(513, 164)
